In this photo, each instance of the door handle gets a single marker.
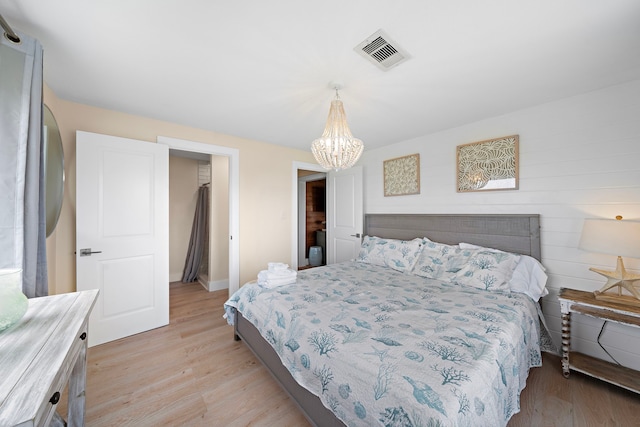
(88, 252)
(356, 235)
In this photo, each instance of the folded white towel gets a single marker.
(271, 279)
(277, 266)
(278, 274)
(273, 284)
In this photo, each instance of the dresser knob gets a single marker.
(55, 398)
(83, 336)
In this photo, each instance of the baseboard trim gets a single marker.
(216, 285)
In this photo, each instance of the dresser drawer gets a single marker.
(54, 393)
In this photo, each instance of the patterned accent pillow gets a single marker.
(488, 269)
(441, 261)
(400, 255)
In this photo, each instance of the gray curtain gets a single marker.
(198, 236)
(22, 198)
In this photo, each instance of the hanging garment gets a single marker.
(198, 234)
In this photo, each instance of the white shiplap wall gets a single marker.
(579, 158)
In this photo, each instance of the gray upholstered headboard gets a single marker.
(512, 233)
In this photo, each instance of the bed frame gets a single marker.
(512, 233)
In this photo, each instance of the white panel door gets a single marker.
(122, 238)
(344, 214)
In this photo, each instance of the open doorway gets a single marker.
(228, 195)
(309, 246)
(312, 219)
(343, 210)
(199, 249)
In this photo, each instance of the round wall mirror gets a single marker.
(53, 169)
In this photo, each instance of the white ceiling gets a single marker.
(261, 69)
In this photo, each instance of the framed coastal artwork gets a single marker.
(488, 165)
(402, 175)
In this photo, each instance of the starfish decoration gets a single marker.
(620, 277)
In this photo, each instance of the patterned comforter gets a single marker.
(381, 347)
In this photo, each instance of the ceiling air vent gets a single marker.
(383, 52)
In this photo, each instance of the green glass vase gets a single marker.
(13, 303)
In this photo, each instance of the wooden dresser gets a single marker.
(40, 354)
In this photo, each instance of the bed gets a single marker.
(362, 343)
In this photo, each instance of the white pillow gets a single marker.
(528, 277)
(400, 255)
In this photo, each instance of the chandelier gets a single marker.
(337, 148)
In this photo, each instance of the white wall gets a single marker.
(579, 158)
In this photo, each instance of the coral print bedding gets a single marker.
(386, 347)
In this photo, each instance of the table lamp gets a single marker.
(614, 237)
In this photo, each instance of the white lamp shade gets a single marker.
(611, 236)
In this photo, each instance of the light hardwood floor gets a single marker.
(192, 373)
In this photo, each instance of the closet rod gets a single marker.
(8, 32)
